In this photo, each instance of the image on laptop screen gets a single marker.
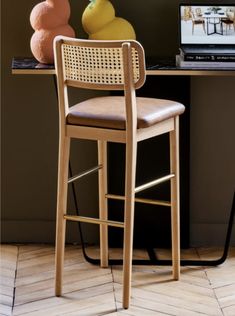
(207, 24)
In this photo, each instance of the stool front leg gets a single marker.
(64, 147)
(175, 199)
(131, 151)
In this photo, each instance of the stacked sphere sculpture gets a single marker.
(49, 19)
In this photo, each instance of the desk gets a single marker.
(163, 67)
(28, 66)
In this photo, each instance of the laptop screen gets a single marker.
(207, 24)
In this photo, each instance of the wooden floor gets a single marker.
(27, 285)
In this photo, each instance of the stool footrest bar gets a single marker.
(139, 200)
(84, 173)
(90, 220)
(153, 183)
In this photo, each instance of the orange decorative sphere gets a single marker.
(49, 19)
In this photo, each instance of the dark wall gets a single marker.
(30, 127)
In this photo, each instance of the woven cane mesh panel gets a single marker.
(97, 65)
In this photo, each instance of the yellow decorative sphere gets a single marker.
(100, 22)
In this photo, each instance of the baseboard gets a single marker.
(202, 235)
(209, 235)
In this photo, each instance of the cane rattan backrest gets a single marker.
(99, 64)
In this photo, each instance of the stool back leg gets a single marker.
(131, 151)
(175, 221)
(103, 204)
(62, 189)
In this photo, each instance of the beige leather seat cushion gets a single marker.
(109, 112)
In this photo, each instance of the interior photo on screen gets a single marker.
(207, 24)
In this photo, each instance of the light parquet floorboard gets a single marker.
(8, 268)
(27, 285)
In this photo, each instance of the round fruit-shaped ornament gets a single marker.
(100, 23)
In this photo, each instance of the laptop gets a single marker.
(207, 28)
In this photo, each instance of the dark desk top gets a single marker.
(155, 66)
(29, 63)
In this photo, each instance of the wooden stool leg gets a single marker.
(62, 189)
(175, 221)
(103, 207)
(131, 149)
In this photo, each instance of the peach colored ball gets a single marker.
(42, 42)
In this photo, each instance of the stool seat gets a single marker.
(110, 112)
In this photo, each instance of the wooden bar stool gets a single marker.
(111, 65)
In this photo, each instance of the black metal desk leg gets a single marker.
(154, 261)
